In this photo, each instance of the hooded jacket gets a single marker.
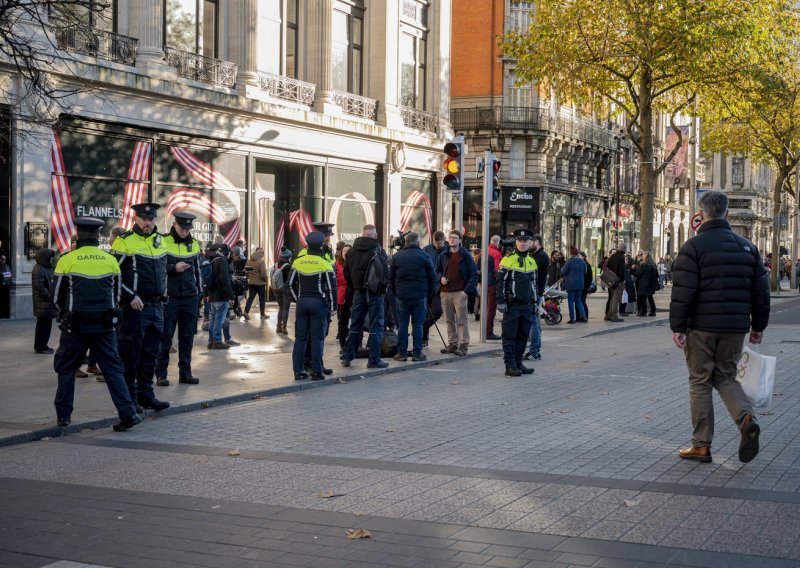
(222, 290)
(259, 275)
(358, 259)
(719, 283)
(41, 278)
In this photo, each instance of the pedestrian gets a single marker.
(588, 282)
(646, 285)
(662, 273)
(142, 259)
(412, 279)
(554, 267)
(220, 295)
(313, 284)
(458, 277)
(279, 277)
(238, 263)
(433, 249)
(344, 295)
(720, 292)
(616, 267)
(629, 296)
(474, 302)
(257, 277)
(669, 262)
(6, 282)
(184, 285)
(495, 256)
(574, 272)
(542, 264)
(44, 310)
(86, 291)
(516, 300)
(366, 255)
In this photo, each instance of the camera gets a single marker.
(399, 241)
(508, 245)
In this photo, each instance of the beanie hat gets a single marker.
(286, 253)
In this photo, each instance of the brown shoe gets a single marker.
(452, 348)
(219, 345)
(462, 349)
(696, 454)
(748, 446)
(80, 374)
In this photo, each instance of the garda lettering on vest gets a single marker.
(90, 257)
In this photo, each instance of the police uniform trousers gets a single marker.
(309, 356)
(180, 313)
(139, 342)
(311, 323)
(516, 326)
(69, 357)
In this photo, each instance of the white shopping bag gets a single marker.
(756, 373)
(624, 299)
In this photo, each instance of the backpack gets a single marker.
(207, 275)
(276, 279)
(376, 278)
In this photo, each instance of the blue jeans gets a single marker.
(365, 303)
(218, 317)
(416, 311)
(574, 299)
(536, 333)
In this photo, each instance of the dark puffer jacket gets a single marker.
(719, 283)
(41, 277)
(358, 259)
(411, 275)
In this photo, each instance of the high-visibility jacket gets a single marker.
(86, 279)
(516, 281)
(313, 276)
(189, 282)
(143, 262)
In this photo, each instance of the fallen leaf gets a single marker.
(505, 404)
(200, 459)
(630, 503)
(546, 411)
(391, 430)
(647, 417)
(564, 411)
(603, 393)
(327, 494)
(203, 414)
(342, 381)
(777, 394)
(654, 398)
(234, 452)
(572, 397)
(45, 439)
(205, 405)
(358, 533)
(215, 507)
(454, 382)
(587, 362)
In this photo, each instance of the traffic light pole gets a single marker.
(488, 180)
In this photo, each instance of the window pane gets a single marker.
(291, 47)
(339, 51)
(209, 29)
(358, 31)
(416, 208)
(182, 24)
(407, 70)
(291, 11)
(421, 85)
(269, 36)
(351, 202)
(517, 170)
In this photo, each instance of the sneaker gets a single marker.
(400, 357)
(528, 356)
(45, 351)
(127, 423)
(232, 343)
(748, 446)
(537, 356)
(345, 362)
(378, 365)
(301, 376)
(162, 381)
(419, 357)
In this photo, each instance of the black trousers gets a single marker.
(343, 319)
(180, 314)
(641, 304)
(253, 289)
(516, 327)
(44, 325)
(310, 327)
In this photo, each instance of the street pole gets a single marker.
(693, 180)
(488, 180)
(793, 259)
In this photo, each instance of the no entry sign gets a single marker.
(696, 221)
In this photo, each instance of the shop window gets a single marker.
(192, 26)
(416, 208)
(348, 46)
(351, 202)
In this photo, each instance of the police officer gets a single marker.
(184, 286)
(328, 254)
(86, 292)
(516, 298)
(142, 259)
(313, 285)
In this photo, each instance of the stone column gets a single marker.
(146, 23)
(382, 64)
(321, 34)
(242, 23)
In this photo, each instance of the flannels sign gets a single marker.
(520, 199)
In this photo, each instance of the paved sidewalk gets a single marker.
(261, 366)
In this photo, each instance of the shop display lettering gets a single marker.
(519, 199)
(98, 211)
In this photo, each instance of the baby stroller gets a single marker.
(550, 310)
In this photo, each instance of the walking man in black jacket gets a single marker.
(720, 292)
(616, 266)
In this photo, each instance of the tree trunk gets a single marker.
(647, 178)
(776, 226)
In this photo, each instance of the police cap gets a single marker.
(324, 228)
(184, 219)
(315, 239)
(523, 234)
(88, 224)
(146, 210)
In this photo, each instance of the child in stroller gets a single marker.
(550, 310)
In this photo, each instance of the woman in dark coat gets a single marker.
(630, 285)
(646, 285)
(588, 280)
(554, 268)
(44, 310)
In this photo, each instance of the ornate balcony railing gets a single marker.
(287, 88)
(356, 105)
(531, 118)
(202, 68)
(414, 118)
(97, 43)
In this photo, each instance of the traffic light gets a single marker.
(495, 182)
(454, 165)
